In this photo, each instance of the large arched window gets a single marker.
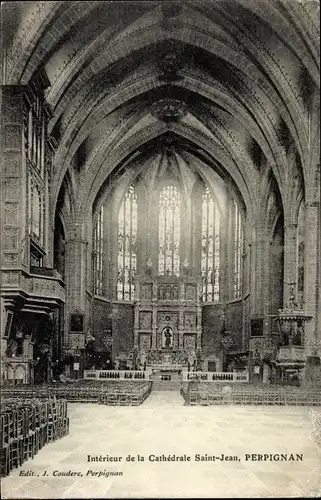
(210, 258)
(238, 248)
(169, 231)
(98, 249)
(127, 246)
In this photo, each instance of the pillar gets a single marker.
(154, 317)
(180, 331)
(290, 259)
(259, 273)
(76, 275)
(136, 326)
(311, 267)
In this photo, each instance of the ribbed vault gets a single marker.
(244, 77)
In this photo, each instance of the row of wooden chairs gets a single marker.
(119, 397)
(210, 394)
(26, 426)
(110, 393)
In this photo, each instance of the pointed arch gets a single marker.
(98, 250)
(169, 228)
(210, 252)
(127, 246)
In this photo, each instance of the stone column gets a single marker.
(136, 325)
(180, 328)
(199, 327)
(311, 265)
(228, 255)
(259, 279)
(76, 250)
(290, 259)
(154, 327)
(76, 265)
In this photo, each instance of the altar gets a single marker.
(166, 372)
(166, 365)
(167, 320)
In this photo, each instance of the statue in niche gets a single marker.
(161, 293)
(175, 293)
(167, 336)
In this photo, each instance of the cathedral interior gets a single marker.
(160, 188)
(160, 249)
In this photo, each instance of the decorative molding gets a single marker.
(168, 292)
(170, 65)
(190, 292)
(169, 110)
(190, 321)
(145, 320)
(145, 291)
(144, 342)
(167, 317)
(34, 20)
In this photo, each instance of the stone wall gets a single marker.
(211, 325)
(101, 320)
(276, 270)
(122, 329)
(235, 323)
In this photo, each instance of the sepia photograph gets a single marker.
(160, 234)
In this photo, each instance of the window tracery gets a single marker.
(238, 248)
(169, 231)
(127, 246)
(98, 249)
(210, 253)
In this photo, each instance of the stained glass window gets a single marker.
(210, 258)
(169, 231)
(238, 247)
(98, 249)
(127, 246)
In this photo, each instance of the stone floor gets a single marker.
(162, 425)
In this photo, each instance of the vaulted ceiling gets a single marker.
(235, 83)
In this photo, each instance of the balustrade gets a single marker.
(115, 375)
(186, 376)
(217, 376)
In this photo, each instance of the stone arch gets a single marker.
(153, 132)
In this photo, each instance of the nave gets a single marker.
(160, 192)
(162, 425)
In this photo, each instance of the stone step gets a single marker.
(166, 385)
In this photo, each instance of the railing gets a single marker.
(45, 271)
(217, 376)
(115, 375)
(46, 287)
(138, 375)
